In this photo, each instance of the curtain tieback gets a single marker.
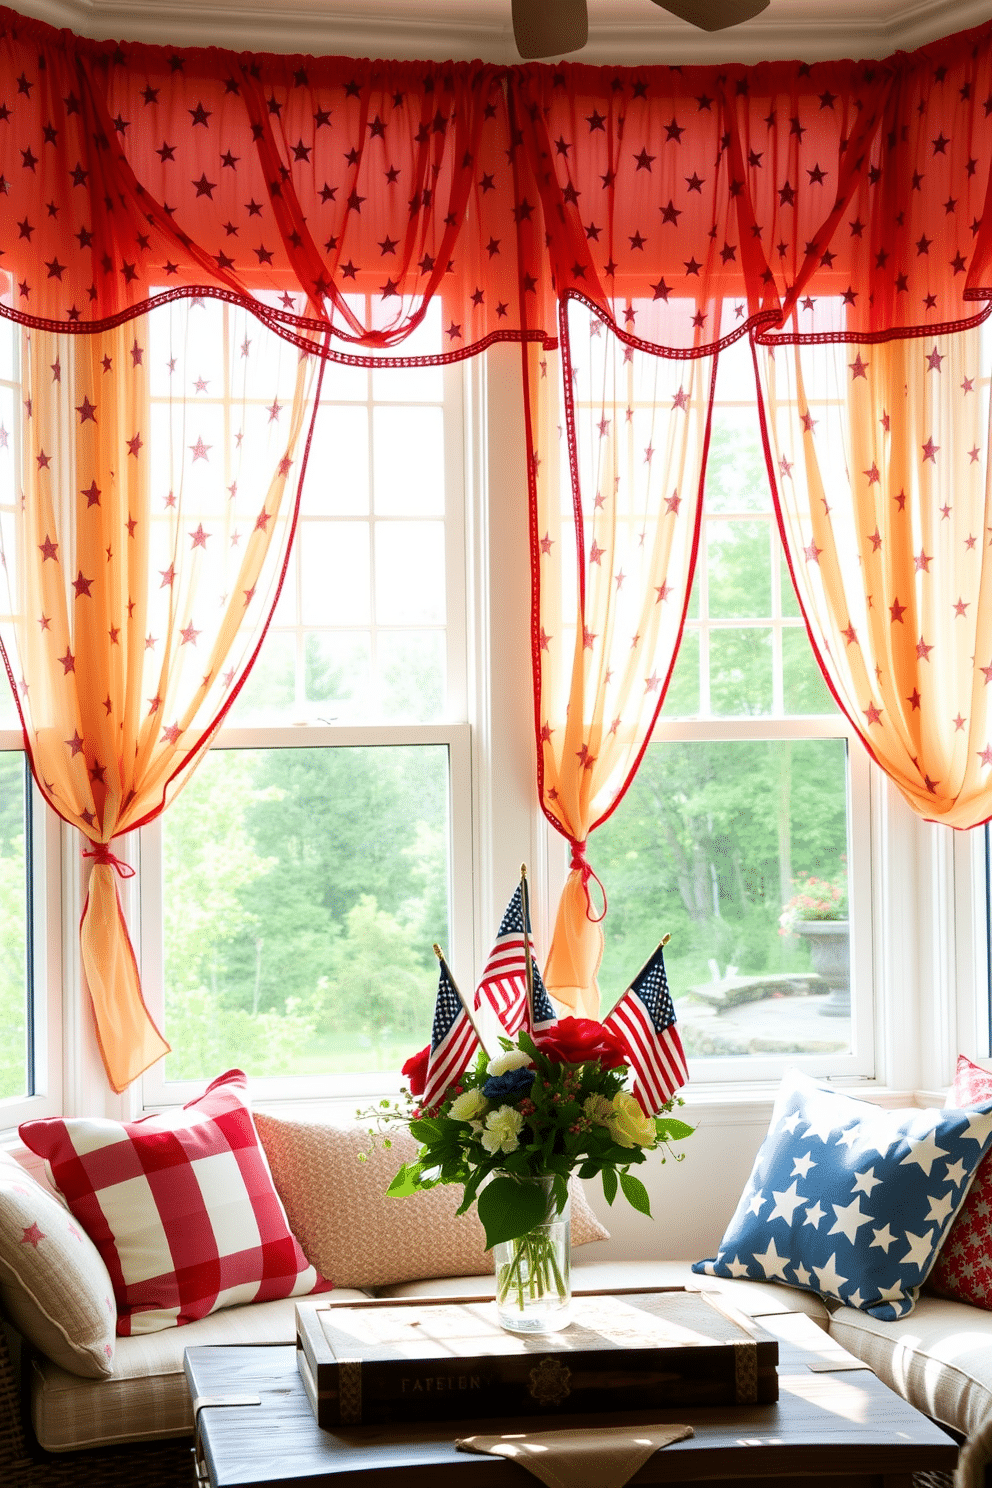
(580, 864)
(103, 857)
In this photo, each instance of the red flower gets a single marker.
(415, 1070)
(574, 1040)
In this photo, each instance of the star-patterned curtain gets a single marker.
(142, 563)
(130, 172)
(363, 188)
(843, 201)
(880, 454)
(619, 439)
(830, 205)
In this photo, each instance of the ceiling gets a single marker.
(625, 32)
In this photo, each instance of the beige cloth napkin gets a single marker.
(599, 1457)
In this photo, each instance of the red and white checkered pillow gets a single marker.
(180, 1205)
(964, 1266)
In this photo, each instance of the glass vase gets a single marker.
(533, 1272)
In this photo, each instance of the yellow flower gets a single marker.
(629, 1127)
(468, 1105)
(502, 1129)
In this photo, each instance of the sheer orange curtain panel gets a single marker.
(143, 560)
(620, 438)
(879, 453)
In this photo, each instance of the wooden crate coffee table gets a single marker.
(834, 1424)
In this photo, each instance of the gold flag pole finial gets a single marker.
(661, 944)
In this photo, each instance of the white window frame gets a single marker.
(46, 950)
(45, 902)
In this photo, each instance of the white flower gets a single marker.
(468, 1105)
(502, 1129)
(510, 1059)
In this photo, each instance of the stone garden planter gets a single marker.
(830, 952)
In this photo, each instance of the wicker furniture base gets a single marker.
(166, 1464)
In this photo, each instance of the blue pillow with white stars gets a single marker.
(850, 1200)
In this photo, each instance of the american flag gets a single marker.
(544, 1013)
(504, 981)
(453, 1042)
(645, 1019)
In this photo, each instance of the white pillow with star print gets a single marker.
(850, 1200)
(54, 1286)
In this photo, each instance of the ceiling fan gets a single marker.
(549, 28)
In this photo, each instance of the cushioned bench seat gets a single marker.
(939, 1358)
(146, 1397)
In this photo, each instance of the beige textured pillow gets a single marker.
(54, 1286)
(356, 1236)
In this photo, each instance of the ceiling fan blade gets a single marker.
(713, 15)
(548, 28)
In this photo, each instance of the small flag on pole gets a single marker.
(453, 1040)
(644, 1019)
(504, 980)
(544, 1014)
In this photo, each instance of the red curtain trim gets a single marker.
(773, 336)
(573, 450)
(282, 325)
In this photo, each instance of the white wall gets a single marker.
(692, 1200)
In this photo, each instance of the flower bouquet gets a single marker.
(512, 1129)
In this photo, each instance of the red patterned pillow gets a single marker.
(964, 1265)
(181, 1206)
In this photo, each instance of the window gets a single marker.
(30, 1077)
(322, 846)
(361, 716)
(17, 1073)
(752, 788)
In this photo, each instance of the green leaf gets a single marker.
(635, 1193)
(672, 1130)
(471, 1189)
(527, 1044)
(430, 1128)
(609, 1184)
(405, 1183)
(509, 1209)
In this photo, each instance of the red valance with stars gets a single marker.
(344, 194)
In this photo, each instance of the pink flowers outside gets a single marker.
(814, 899)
